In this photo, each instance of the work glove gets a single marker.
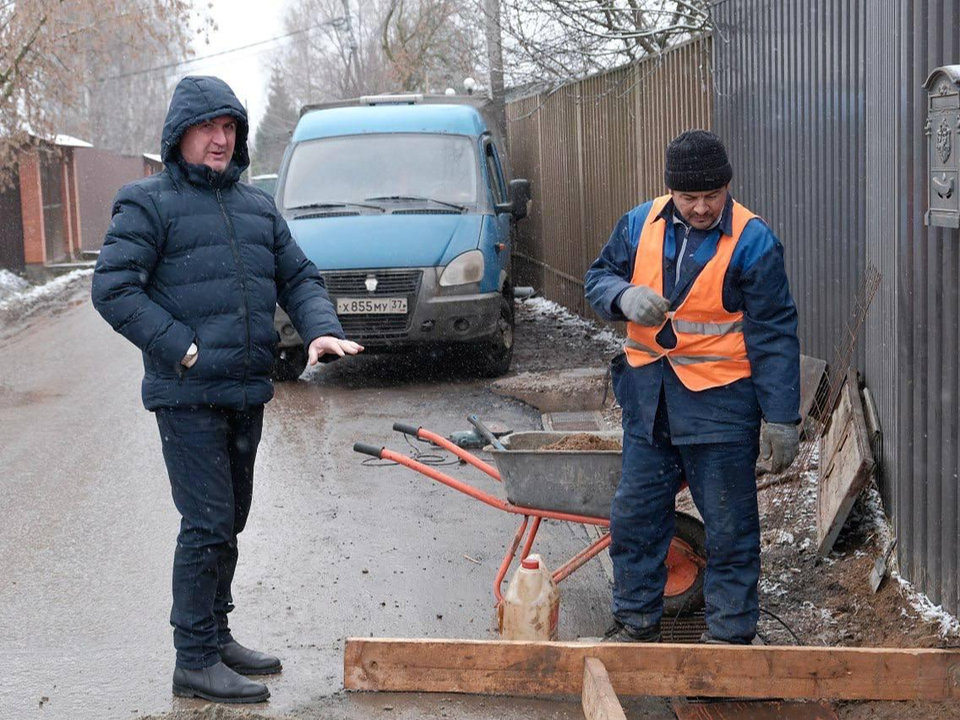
(643, 306)
(779, 444)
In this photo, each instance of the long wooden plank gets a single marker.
(598, 699)
(528, 669)
(754, 710)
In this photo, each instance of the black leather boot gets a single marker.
(218, 683)
(248, 662)
(621, 633)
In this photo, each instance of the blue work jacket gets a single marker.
(756, 284)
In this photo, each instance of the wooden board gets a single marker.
(846, 464)
(769, 710)
(598, 698)
(497, 667)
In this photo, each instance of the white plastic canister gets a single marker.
(531, 605)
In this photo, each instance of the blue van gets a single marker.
(405, 204)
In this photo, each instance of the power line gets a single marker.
(169, 66)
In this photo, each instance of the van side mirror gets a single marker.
(520, 195)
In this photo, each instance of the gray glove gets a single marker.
(643, 306)
(779, 443)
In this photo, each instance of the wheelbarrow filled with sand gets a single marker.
(568, 477)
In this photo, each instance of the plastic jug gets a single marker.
(531, 605)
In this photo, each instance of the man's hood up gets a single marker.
(195, 100)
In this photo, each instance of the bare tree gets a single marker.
(556, 41)
(361, 47)
(428, 43)
(338, 55)
(55, 53)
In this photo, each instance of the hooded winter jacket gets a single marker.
(195, 256)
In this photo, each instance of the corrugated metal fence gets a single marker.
(924, 34)
(790, 107)
(593, 150)
(824, 100)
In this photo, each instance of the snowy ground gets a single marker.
(21, 301)
(11, 285)
(16, 293)
(541, 310)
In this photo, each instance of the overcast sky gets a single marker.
(239, 23)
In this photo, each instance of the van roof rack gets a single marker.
(480, 102)
(408, 99)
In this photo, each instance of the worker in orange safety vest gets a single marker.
(711, 353)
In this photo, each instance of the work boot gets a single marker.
(620, 632)
(248, 662)
(218, 683)
(707, 639)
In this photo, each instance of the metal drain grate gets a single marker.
(579, 420)
(684, 629)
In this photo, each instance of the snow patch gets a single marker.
(611, 341)
(776, 536)
(27, 296)
(875, 518)
(947, 624)
(11, 284)
(770, 588)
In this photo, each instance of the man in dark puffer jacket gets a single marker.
(191, 270)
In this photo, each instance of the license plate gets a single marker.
(372, 306)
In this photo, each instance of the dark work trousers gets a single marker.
(209, 453)
(722, 479)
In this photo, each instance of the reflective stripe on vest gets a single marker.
(710, 350)
(685, 326)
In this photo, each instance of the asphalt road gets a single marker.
(333, 548)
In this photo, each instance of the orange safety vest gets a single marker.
(710, 350)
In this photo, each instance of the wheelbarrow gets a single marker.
(566, 485)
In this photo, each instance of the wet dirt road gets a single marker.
(333, 548)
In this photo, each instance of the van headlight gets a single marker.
(463, 269)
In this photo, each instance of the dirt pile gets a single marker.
(584, 441)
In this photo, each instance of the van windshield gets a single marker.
(353, 168)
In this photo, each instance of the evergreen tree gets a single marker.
(275, 127)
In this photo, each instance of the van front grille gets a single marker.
(352, 283)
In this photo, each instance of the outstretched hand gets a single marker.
(329, 345)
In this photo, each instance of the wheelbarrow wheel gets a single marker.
(686, 565)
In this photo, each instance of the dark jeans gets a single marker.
(722, 479)
(209, 453)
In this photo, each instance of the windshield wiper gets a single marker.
(335, 204)
(417, 198)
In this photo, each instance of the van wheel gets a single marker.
(289, 364)
(495, 356)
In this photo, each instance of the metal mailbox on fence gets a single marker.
(942, 129)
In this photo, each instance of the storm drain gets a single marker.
(683, 629)
(579, 420)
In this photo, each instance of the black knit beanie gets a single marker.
(697, 161)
